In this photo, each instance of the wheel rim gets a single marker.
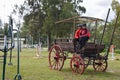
(56, 58)
(100, 64)
(77, 65)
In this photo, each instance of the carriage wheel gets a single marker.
(77, 65)
(56, 58)
(100, 64)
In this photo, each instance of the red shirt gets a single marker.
(77, 33)
(81, 33)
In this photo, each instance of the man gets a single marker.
(81, 35)
(84, 36)
(77, 33)
(76, 36)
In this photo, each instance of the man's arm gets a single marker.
(77, 34)
(87, 34)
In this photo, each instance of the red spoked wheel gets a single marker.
(77, 65)
(56, 58)
(100, 64)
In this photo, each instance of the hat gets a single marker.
(79, 25)
(84, 25)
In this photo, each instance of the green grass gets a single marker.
(32, 68)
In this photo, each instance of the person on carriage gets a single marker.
(76, 36)
(81, 35)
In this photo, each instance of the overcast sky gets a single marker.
(95, 8)
(98, 8)
(6, 7)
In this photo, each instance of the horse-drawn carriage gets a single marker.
(90, 55)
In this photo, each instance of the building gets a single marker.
(21, 40)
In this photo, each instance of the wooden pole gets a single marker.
(104, 26)
(111, 40)
(95, 31)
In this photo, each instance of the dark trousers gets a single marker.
(80, 43)
(75, 43)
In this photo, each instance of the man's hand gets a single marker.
(79, 39)
(76, 39)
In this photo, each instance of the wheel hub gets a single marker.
(56, 58)
(76, 65)
(99, 64)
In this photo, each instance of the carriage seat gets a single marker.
(93, 48)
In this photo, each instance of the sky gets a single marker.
(6, 7)
(94, 8)
(98, 8)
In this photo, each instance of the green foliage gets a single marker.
(1, 31)
(116, 8)
(117, 51)
(41, 16)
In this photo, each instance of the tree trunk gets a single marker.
(49, 41)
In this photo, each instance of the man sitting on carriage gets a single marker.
(81, 36)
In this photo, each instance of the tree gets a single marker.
(41, 16)
(116, 8)
(0, 22)
(116, 39)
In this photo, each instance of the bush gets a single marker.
(117, 51)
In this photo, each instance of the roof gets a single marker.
(78, 19)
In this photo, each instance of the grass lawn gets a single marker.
(32, 68)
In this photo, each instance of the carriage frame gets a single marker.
(90, 55)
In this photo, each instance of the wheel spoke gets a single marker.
(100, 65)
(59, 65)
(53, 65)
(77, 65)
(56, 59)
